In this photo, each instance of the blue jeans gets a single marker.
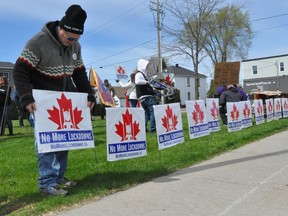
(51, 166)
(147, 104)
(133, 102)
(5, 119)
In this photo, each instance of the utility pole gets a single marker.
(156, 7)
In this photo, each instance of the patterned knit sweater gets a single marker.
(45, 64)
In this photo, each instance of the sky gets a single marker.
(121, 32)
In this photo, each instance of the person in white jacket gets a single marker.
(145, 93)
(132, 97)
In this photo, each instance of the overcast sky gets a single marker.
(120, 32)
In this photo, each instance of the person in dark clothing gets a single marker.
(230, 95)
(241, 91)
(5, 106)
(20, 108)
(52, 60)
(170, 95)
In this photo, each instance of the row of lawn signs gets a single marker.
(63, 122)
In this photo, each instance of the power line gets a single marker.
(104, 58)
(271, 17)
(113, 26)
(116, 18)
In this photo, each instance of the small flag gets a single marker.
(121, 72)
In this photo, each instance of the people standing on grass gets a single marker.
(5, 106)
(20, 109)
(145, 93)
(170, 94)
(52, 60)
(132, 97)
(229, 95)
(112, 92)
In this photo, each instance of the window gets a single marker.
(188, 96)
(254, 70)
(5, 73)
(281, 67)
(188, 82)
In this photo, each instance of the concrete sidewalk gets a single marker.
(251, 180)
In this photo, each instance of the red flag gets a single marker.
(103, 92)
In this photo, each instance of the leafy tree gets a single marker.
(212, 91)
(201, 28)
(230, 34)
(188, 31)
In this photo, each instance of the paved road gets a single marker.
(250, 181)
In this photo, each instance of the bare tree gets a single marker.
(153, 65)
(188, 30)
(230, 34)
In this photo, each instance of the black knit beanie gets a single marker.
(74, 20)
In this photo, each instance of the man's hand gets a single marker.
(90, 105)
(31, 107)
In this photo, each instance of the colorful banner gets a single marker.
(169, 125)
(212, 108)
(285, 107)
(269, 109)
(103, 92)
(126, 134)
(259, 111)
(234, 116)
(62, 121)
(277, 108)
(197, 119)
(245, 107)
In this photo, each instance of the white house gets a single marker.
(184, 80)
(265, 74)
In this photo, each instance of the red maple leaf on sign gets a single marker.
(127, 129)
(278, 106)
(285, 105)
(168, 79)
(234, 113)
(65, 117)
(259, 109)
(246, 111)
(197, 114)
(270, 107)
(214, 111)
(169, 121)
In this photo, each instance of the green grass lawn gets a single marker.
(95, 176)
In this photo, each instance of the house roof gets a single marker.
(6, 65)
(180, 71)
(120, 91)
(269, 57)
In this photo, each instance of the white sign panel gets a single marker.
(126, 134)
(234, 116)
(212, 108)
(62, 121)
(285, 107)
(269, 109)
(169, 125)
(277, 108)
(259, 111)
(197, 119)
(245, 107)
